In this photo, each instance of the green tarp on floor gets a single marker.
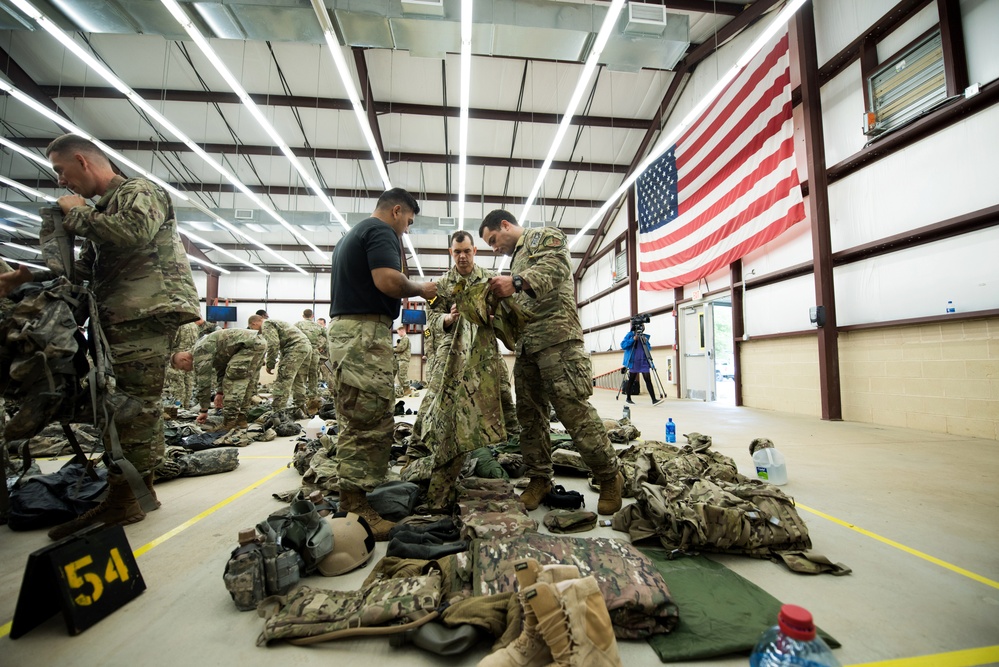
(720, 611)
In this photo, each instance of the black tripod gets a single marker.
(640, 340)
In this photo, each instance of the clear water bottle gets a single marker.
(950, 307)
(792, 642)
(626, 413)
(670, 430)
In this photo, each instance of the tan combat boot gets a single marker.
(149, 480)
(357, 502)
(529, 649)
(610, 494)
(573, 619)
(119, 508)
(535, 492)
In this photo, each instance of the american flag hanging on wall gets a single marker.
(728, 185)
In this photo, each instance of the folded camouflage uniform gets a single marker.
(312, 615)
(570, 521)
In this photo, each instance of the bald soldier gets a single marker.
(295, 351)
(227, 360)
(136, 266)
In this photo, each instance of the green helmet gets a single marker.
(353, 544)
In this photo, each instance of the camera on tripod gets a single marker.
(639, 321)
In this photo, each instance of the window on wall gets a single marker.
(906, 86)
(620, 266)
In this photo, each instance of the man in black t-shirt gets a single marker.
(366, 288)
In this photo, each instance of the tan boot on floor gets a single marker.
(120, 508)
(535, 492)
(573, 620)
(357, 502)
(529, 649)
(610, 494)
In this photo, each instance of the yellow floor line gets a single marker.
(972, 657)
(919, 554)
(5, 628)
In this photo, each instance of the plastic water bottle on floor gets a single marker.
(313, 428)
(626, 413)
(770, 464)
(670, 430)
(792, 642)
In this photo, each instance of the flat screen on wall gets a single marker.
(414, 316)
(221, 314)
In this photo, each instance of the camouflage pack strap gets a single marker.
(56, 243)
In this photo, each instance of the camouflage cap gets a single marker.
(353, 544)
(759, 443)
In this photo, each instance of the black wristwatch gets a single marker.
(518, 284)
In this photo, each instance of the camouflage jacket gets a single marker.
(316, 335)
(541, 258)
(281, 338)
(132, 254)
(185, 338)
(212, 355)
(206, 328)
(441, 306)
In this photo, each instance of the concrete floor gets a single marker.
(914, 514)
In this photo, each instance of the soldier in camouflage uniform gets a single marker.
(228, 360)
(135, 263)
(443, 314)
(366, 286)
(320, 349)
(551, 364)
(403, 353)
(179, 384)
(205, 327)
(295, 350)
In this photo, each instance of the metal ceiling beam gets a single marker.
(369, 100)
(702, 6)
(435, 252)
(340, 154)
(352, 192)
(21, 79)
(686, 66)
(205, 97)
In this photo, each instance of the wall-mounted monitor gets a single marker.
(414, 316)
(221, 314)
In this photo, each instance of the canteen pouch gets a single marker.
(281, 569)
(244, 576)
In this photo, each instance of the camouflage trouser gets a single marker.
(402, 370)
(179, 385)
(443, 490)
(562, 375)
(312, 377)
(139, 348)
(238, 382)
(292, 372)
(506, 399)
(361, 352)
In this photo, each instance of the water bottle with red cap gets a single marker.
(792, 643)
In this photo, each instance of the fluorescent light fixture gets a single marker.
(197, 239)
(9, 230)
(608, 26)
(25, 188)
(201, 225)
(348, 83)
(27, 264)
(202, 262)
(188, 24)
(20, 211)
(19, 149)
(260, 229)
(412, 251)
(466, 83)
(139, 101)
(34, 251)
(663, 144)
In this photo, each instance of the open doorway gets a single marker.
(706, 354)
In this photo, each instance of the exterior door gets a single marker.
(697, 344)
